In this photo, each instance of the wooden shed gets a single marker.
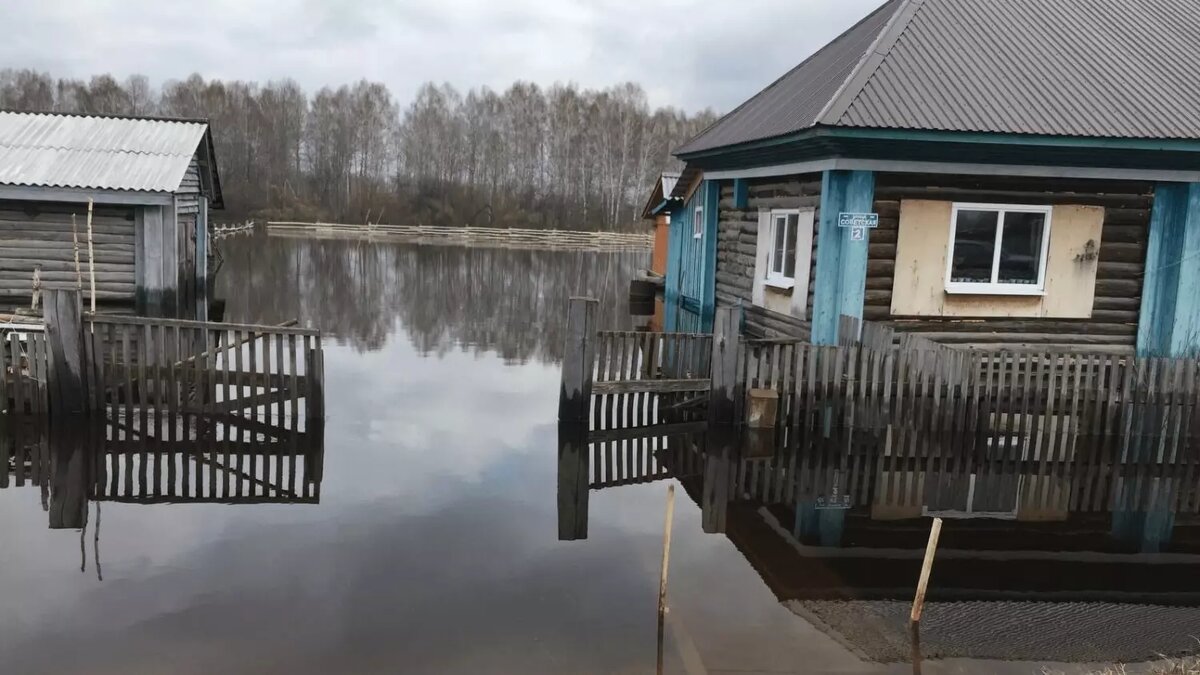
(658, 208)
(151, 182)
(1042, 193)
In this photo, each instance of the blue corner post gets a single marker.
(712, 206)
(841, 281)
(741, 193)
(1169, 323)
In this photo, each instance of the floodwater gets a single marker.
(436, 544)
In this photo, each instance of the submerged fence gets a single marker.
(898, 420)
(23, 369)
(136, 367)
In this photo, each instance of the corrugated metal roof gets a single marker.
(1091, 68)
(661, 191)
(794, 101)
(102, 153)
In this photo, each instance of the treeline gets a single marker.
(528, 156)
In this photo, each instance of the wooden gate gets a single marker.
(136, 365)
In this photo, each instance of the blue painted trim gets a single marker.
(666, 206)
(841, 274)
(741, 193)
(1169, 322)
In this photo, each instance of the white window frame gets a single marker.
(994, 287)
(698, 223)
(775, 279)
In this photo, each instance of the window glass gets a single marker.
(1021, 248)
(779, 253)
(698, 223)
(974, 246)
(789, 253)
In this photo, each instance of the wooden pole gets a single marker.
(662, 581)
(575, 394)
(919, 600)
(60, 312)
(91, 257)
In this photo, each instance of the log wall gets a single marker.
(1113, 324)
(737, 237)
(33, 233)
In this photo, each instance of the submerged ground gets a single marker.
(434, 547)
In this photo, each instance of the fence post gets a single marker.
(573, 476)
(727, 327)
(66, 386)
(314, 371)
(579, 357)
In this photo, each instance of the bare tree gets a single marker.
(557, 157)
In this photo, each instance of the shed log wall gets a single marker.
(1122, 255)
(33, 233)
(737, 237)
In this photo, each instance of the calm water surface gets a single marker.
(434, 547)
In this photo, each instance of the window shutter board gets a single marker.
(804, 243)
(764, 241)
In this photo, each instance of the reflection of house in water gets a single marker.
(1037, 561)
(186, 459)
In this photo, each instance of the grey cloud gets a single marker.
(687, 53)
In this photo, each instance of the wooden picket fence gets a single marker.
(23, 370)
(637, 376)
(177, 366)
(134, 367)
(931, 415)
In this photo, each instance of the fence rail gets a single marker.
(476, 236)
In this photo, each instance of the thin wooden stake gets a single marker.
(662, 582)
(919, 599)
(78, 269)
(91, 257)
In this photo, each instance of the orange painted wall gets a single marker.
(658, 263)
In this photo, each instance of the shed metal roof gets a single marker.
(101, 153)
(663, 187)
(1085, 68)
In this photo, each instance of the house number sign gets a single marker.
(858, 223)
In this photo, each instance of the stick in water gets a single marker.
(91, 257)
(919, 600)
(662, 582)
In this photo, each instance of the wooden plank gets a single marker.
(187, 323)
(293, 386)
(725, 349)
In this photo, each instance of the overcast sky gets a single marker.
(687, 53)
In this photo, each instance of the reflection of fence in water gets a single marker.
(186, 459)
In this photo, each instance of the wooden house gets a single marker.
(985, 174)
(151, 181)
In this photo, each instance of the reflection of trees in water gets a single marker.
(509, 301)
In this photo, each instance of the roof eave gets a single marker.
(844, 142)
